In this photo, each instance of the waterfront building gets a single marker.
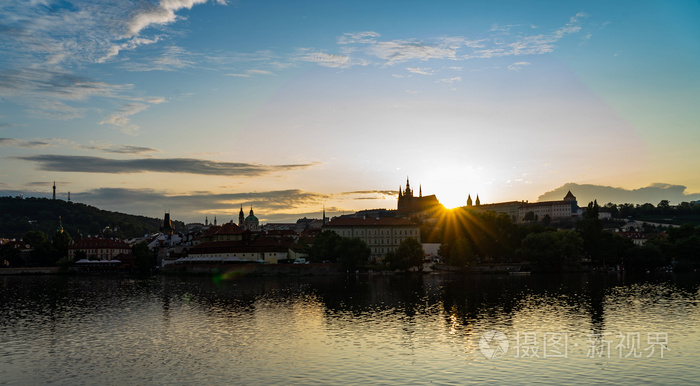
(382, 235)
(262, 249)
(99, 248)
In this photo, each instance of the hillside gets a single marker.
(18, 216)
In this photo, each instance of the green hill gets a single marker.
(18, 216)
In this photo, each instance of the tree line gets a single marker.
(471, 237)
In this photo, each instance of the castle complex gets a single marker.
(420, 207)
(518, 210)
(410, 206)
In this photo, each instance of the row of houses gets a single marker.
(231, 243)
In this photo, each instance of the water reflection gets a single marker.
(354, 329)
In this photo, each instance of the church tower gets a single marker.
(241, 216)
(167, 227)
(469, 200)
(54, 190)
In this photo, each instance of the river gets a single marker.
(440, 329)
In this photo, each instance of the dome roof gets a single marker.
(251, 218)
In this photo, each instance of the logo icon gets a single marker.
(493, 344)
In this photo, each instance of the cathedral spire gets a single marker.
(477, 200)
(469, 200)
(420, 190)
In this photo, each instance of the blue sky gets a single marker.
(199, 107)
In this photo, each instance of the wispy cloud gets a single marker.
(372, 192)
(364, 37)
(171, 58)
(45, 46)
(121, 118)
(252, 73)
(518, 66)
(420, 71)
(163, 13)
(452, 80)
(14, 142)
(367, 47)
(399, 51)
(326, 60)
(120, 149)
(84, 164)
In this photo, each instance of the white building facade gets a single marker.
(382, 235)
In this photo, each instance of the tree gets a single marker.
(462, 254)
(80, 255)
(144, 258)
(612, 208)
(353, 253)
(59, 245)
(409, 254)
(529, 216)
(10, 256)
(590, 228)
(553, 250)
(546, 220)
(35, 238)
(42, 253)
(325, 247)
(664, 207)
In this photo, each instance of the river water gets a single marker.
(441, 329)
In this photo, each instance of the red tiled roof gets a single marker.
(239, 246)
(373, 222)
(633, 235)
(211, 231)
(99, 242)
(229, 229)
(281, 232)
(545, 203)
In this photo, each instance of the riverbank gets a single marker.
(29, 271)
(255, 269)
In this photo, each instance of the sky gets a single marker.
(199, 107)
